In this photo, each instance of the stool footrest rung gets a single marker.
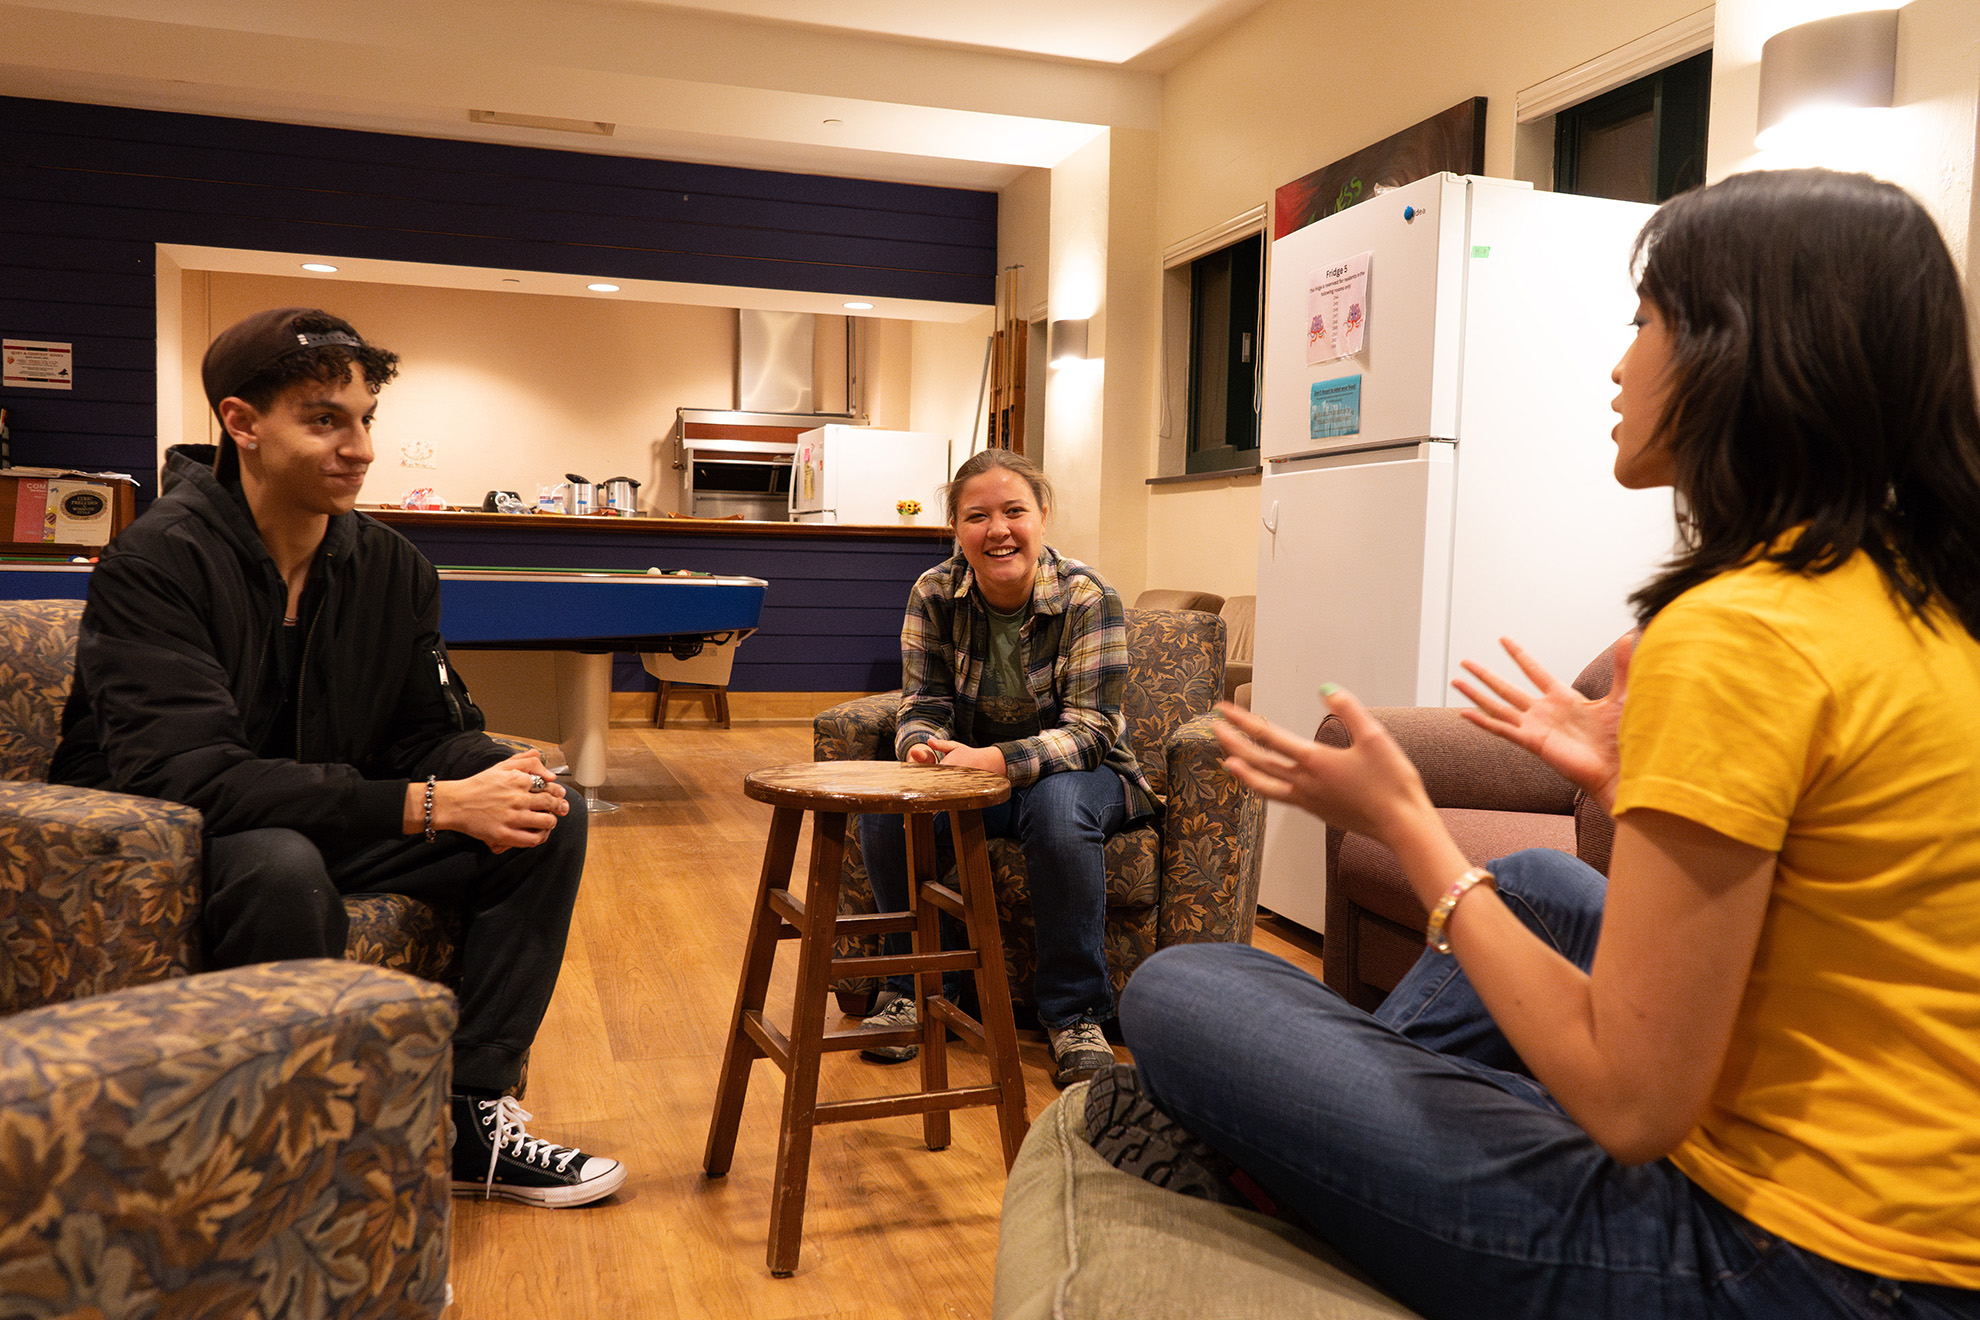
(944, 898)
(948, 1014)
(890, 1106)
(873, 923)
(791, 908)
(893, 964)
(859, 1038)
(776, 1046)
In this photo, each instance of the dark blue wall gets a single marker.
(85, 191)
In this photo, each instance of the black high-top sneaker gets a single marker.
(494, 1156)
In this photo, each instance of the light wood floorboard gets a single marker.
(625, 1066)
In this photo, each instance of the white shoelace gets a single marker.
(509, 1120)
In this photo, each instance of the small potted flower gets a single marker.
(908, 509)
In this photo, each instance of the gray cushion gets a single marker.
(1080, 1238)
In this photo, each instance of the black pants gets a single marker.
(271, 894)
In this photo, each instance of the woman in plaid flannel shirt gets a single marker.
(1013, 659)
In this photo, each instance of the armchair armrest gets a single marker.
(99, 891)
(858, 730)
(1462, 765)
(269, 1140)
(1210, 844)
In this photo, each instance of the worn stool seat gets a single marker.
(831, 790)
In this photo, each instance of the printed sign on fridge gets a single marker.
(1336, 310)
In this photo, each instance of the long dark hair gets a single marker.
(1820, 377)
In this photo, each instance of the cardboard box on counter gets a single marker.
(56, 509)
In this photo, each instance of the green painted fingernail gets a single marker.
(1329, 689)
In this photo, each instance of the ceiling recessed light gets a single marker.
(603, 288)
(857, 306)
(320, 267)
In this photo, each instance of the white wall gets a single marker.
(511, 391)
(1926, 143)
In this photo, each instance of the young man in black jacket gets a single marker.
(254, 648)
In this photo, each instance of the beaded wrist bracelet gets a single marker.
(1433, 934)
(429, 807)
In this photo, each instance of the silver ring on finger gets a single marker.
(536, 783)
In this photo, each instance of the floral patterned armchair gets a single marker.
(1189, 875)
(262, 1141)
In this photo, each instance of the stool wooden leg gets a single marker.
(660, 705)
(759, 950)
(814, 976)
(722, 705)
(928, 939)
(993, 991)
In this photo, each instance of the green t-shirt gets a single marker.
(1005, 710)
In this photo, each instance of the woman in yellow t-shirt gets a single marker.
(1741, 1077)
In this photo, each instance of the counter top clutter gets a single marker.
(658, 524)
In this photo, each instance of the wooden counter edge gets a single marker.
(656, 526)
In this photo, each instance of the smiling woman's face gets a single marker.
(1001, 531)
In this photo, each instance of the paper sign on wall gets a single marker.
(1336, 310)
(34, 364)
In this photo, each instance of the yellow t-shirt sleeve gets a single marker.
(1723, 723)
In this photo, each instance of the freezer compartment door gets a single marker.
(1353, 588)
(1404, 380)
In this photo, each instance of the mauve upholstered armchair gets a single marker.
(1495, 799)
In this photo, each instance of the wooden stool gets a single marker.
(718, 691)
(830, 790)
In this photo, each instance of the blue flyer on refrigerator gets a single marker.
(1336, 407)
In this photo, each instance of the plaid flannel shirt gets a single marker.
(1074, 644)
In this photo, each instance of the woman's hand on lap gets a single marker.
(970, 758)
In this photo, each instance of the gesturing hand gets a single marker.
(1574, 735)
(1370, 788)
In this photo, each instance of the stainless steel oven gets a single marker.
(740, 463)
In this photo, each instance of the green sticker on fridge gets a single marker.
(1335, 407)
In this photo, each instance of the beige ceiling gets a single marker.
(949, 93)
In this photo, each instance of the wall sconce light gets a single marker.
(1066, 342)
(1844, 63)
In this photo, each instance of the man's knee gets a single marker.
(268, 896)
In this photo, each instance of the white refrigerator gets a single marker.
(1435, 434)
(858, 474)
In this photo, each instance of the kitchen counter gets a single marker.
(525, 523)
(831, 613)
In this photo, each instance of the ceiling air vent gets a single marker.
(551, 122)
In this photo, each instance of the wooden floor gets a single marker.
(625, 1066)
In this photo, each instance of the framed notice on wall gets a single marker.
(37, 364)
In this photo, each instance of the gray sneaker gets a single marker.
(1079, 1050)
(892, 1013)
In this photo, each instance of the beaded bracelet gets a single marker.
(1433, 934)
(429, 807)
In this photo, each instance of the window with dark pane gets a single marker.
(1643, 141)
(1224, 295)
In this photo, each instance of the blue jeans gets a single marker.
(1416, 1142)
(1061, 821)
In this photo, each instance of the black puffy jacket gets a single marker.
(180, 672)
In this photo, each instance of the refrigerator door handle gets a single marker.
(1271, 523)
